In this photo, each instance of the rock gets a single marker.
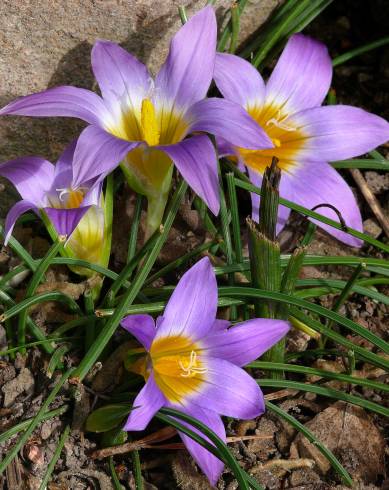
(372, 228)
(23, 383)
(347, 431)
(45, 44)
(377, 182)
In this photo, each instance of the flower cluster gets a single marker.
(193, 361)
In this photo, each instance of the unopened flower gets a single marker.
(194, 361)
(306, 136)
(75, 211)
(146, 124)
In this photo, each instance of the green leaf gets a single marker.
(107, 418)
(114, 437)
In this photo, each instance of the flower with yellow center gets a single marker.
(193, 361)
(146, 126)
(305, 135)
(75, 211)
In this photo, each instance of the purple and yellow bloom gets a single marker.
(194, 361)
(148, 125)
(306, 136)
(75, 211)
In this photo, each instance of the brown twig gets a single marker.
(371, 199)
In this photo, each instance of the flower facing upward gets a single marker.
(146, 123)
(194, 361)
(305, 136)
(75, 211)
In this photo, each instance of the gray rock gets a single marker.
(23, 383)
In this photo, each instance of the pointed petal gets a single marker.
(239, 81)
(13, 214)
(98, 153)
(302, 76)
(142, 327)
(63, 174)
(229, 390)
(339, 132)
(283, 211)
(230, 121)
(146, 404)
(32, 177)
(195, 159)
(65, 221)
(119, 74)
(191, 310)
(209, 464)
(60, 101)
(245, 342)
(318, 183)
(219, 326)
(187, 73)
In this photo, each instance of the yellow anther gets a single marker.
(149, 123)
(190, 368)
(277, 142)
(71, 198)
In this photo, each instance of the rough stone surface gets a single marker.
(23, 383)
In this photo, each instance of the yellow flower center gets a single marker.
(287, 140)
(178, 368)
(149, 123)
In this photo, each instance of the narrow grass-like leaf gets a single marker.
(343, 58)
(313, 439)
(55, 458)
(327, 392)
(134, 228)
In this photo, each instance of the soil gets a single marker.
(267, 448)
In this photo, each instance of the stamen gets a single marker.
(279, 122)
(189, 369)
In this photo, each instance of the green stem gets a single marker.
(134, 228)
(358, 51)
(34, 283)
(55, 458)
(109, 328)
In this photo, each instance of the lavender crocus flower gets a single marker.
(75, 211)
(306, 136)
(145, 123)
(194, 361)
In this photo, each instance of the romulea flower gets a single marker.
(194, 361)
(146, 124)
(76, 211)
(306, 136)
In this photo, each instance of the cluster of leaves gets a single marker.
(131, 291)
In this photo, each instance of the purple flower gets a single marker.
(306, 136)
(75, 211)
(145, 123)
(194, 361)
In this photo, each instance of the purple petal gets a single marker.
(230, 121)
(97, 154)
(339, 132)
(224, 148)
(32, 177)
(191, 310)
(239, 81)
(65, 221)
(283, 211)
(17, 210)
(318, 183)
(142, 327)
(195, 158)
(187, 73)
(245, 342)
(63, 174)
(219, 326)
(229, 390)
(209, 464)
(119, 74)
(302, 76)
(60, 101)
(146, 405)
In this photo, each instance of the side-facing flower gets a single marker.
(306, 136)
(194, 361)
(75, 211)
(145, 124)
